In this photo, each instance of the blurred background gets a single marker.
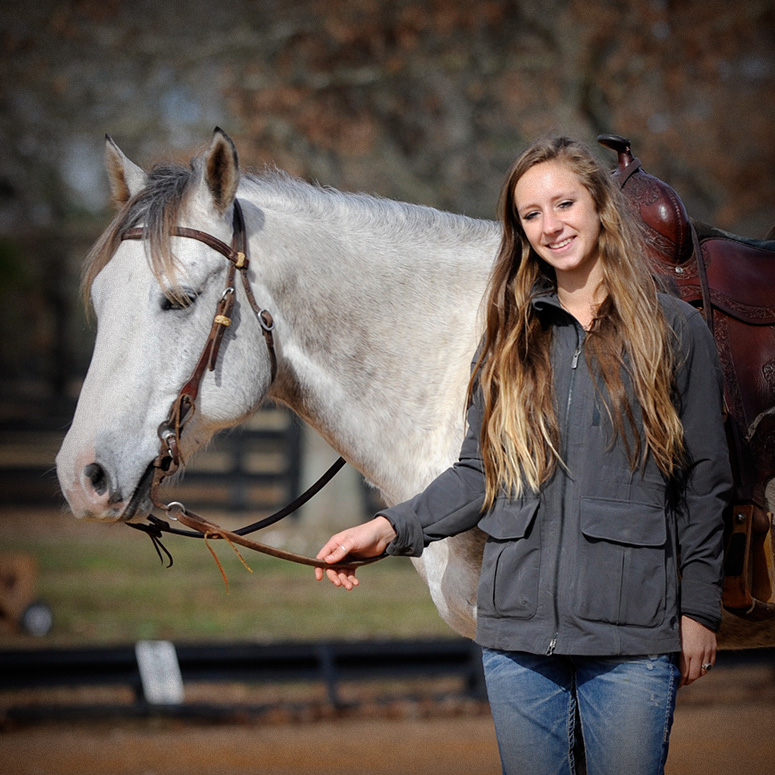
(427, 101)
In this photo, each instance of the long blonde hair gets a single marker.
(520, 436)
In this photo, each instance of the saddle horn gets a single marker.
(668, 229)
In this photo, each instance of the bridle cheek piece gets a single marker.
(170, 459)
(184, 406)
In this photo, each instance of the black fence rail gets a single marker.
(158, 688)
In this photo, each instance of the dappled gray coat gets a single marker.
(603, 560)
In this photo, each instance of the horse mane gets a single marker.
(159, 205)
(382, 217)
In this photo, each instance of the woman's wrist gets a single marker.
(385, 527)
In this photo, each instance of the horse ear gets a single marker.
(221, 171)
(126, 178)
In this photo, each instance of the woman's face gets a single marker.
(559, 218)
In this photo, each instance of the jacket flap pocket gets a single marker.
(509, 519)
(623, 522)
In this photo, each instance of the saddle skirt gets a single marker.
(741, 281)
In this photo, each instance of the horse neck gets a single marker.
(376, 328)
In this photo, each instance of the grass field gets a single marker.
(105, 585)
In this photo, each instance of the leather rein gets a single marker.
(169, 460)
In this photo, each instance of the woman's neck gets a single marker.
(583, 303)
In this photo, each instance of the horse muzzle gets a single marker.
(94, 494)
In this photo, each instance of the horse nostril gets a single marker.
(95, 473)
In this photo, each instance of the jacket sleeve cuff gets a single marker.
(409, 540)
(702, 602)
(710, 624)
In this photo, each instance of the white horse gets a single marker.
(375, 304)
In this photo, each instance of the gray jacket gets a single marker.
(602, 561)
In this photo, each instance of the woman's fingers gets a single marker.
(698, 650)
(334, 551)
(343, 578)
(366, 540)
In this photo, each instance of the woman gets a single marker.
(596, 463)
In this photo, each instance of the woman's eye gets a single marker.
(565, 204)
(177, 303)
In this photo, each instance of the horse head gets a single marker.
(155, 287)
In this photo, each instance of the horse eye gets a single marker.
(186, 299)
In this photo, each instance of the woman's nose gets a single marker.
(551, 223)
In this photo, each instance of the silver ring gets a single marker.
(707, 666)
(342, 547)
(178, 506)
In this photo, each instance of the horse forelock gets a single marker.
(157, 207)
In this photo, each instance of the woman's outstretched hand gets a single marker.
(367, 540)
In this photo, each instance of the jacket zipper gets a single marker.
(574, 365)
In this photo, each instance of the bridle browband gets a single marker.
(169, 459)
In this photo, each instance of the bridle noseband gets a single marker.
(169, 459)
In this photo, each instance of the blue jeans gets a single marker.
(625, 705)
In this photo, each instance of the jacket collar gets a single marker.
(545, 302)
(547, 307)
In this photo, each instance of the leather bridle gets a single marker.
(169, 459)
(184, 406)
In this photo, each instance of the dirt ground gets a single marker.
(724, 727)
(700, 746)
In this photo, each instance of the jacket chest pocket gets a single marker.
(508, 583)
(622, 562)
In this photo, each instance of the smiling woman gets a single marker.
(561, 224)
(595, 463)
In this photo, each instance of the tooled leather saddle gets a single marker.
(731, 279)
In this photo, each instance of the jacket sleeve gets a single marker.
(708, 477)
(451, 504)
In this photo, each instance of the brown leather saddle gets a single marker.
(732, 281)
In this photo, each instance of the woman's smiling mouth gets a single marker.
(561, 244)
